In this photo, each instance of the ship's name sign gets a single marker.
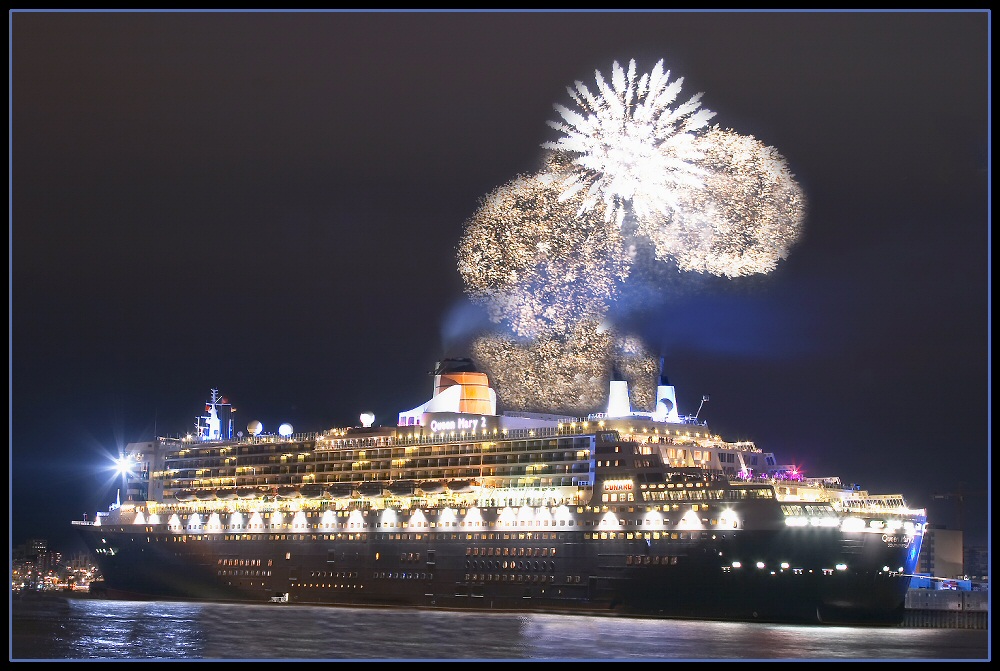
(453, 421)
(618, 486)
(458, 424)
(897, 540)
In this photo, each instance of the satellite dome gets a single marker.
(367, 419)
(254, 428)
(285, 430)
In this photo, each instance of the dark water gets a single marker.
(67, 629)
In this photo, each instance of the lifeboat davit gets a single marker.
(371, 488)
(184, 495)
(402, 488)
(341, 491)
(461, 486)
(249, 493)
(289, 492)
(205, 494)
(431, 487)
(311, 491)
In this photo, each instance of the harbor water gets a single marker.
(57, 628)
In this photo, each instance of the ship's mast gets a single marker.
(210, 426)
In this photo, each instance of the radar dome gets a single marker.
(254, 428)
(367, 419)
(285, 430)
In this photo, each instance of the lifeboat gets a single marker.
(311, 491)
(226, 494)
(205, 494)
(184, 495)
(371, 488)
(461, 486)
(431, 487)
(402, 488)
(289, 492)
(249, 493)
(340, 491)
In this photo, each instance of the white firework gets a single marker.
(630, 148)
(633, 184)
(744, 220)
(536, 264)
(567, 372)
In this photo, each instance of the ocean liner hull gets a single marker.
(459, 507)
(796, 579)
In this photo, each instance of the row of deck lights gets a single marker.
(531, 433)
(785, 566)
(418, 519)
(854, 524)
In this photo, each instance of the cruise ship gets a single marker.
(457, 506)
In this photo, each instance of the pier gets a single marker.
(946, 609)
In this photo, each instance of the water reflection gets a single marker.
(97, 629)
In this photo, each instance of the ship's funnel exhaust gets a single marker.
(476, 396)
(666, 400)
(458, 388)
(618, 403)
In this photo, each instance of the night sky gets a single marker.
(269, 204)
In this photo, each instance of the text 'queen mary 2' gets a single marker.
(459, 507)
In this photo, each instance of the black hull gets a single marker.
(570, 572)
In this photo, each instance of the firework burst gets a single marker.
(745, 218)
(632, 150)
(567, 372)
(640, 368)
(634, 183)
(537, 265)
(562, 373)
